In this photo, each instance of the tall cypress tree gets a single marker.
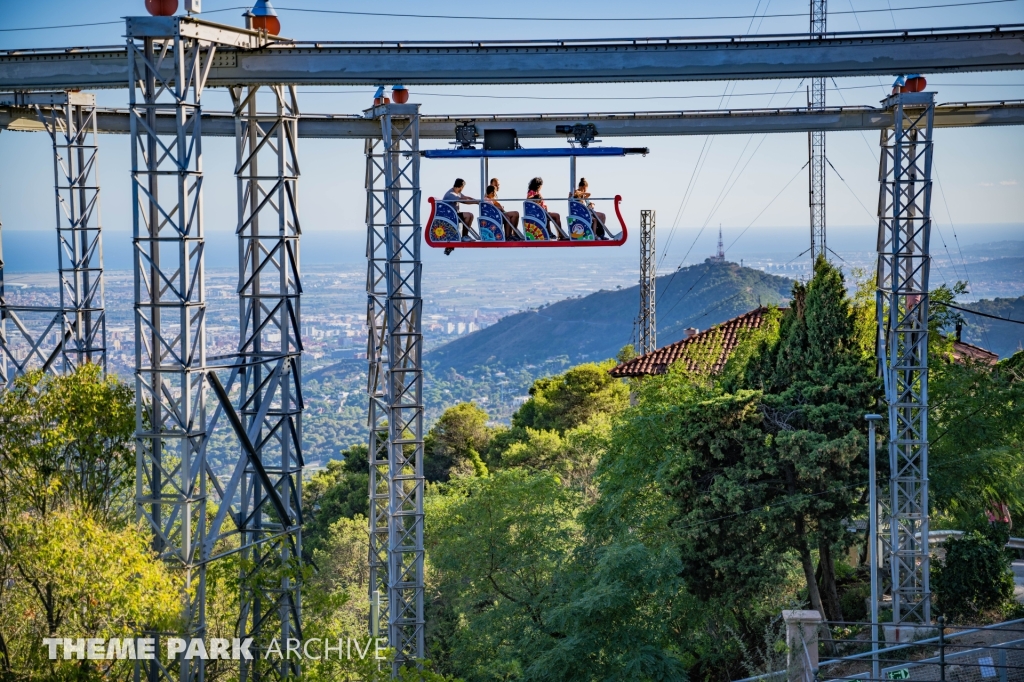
(818, 385)
(772, 459)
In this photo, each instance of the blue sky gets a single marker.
(981, 171)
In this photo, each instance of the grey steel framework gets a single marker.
(62, 337)
(268, 368)
(647, 324)
(167, 64)
(395, 383)
(623, 124)
(816, 142)
(904, 228)
(614, 60)
(169, 60)
(170, 310)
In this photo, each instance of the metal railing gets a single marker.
(941, 657)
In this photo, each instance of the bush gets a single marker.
(974, 577)
(853, 600)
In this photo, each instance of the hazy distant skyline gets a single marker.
(980, 172)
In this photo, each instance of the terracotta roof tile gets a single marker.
(720, 341)
(965, 351)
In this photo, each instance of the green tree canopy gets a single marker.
(67, 440)
(567, 400)
(72, 563)
(976, 437)
(769, 456)
(340, 491)
(454, 444)
(495, 546)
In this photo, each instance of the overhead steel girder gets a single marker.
(639, 124)
(948, 50)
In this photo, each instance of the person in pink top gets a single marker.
(533, 194)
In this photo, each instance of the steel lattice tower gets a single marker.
(395, 385)
(648, 327)
(816, 143)
(904, 229)
(61, 338)
(170, 311)
(169, 60)
(269, 368)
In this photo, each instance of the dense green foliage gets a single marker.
(977, 437)
(567, 400)
(72, 561)
(453, 445)
(974, 576)
(341, 490)
(628, 531)
(67, 441)
(497, 545)
(687, 521)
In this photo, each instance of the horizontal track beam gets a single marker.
(642, 124)
(929, 51)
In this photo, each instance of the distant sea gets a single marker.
(36, 250)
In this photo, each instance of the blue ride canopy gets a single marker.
(531, 153)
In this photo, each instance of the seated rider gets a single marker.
(582, 192)
(533, 194)
(453, 197)
(511, 216)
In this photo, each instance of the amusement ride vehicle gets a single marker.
(493, 229)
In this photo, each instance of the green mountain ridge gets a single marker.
(596, 326)
(1004, 338)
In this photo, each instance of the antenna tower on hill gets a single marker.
(719, 256)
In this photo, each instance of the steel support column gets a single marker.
(395, 385)
(170, 314)
(62, 337)
(648, 328)
(816, 142)
(376, 355)
(904, 228)
(269, 370)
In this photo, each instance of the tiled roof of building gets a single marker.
(964, 351)
(690, 349)
(720, 340)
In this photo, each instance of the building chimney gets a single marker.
(691, 332)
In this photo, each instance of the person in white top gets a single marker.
(453, 197)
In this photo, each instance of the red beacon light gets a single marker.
(264, 17)
(162, 8)
(915, 83)
(911, 83)
(400, 94)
